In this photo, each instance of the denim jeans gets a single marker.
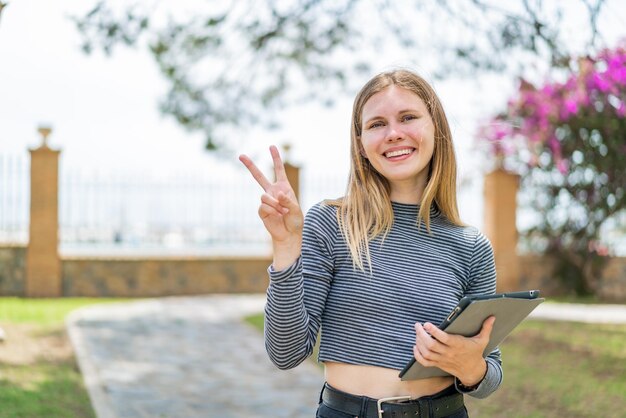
(323, 411)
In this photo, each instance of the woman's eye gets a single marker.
(407, 118)
(375, 125)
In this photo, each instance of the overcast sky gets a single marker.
(104, 110)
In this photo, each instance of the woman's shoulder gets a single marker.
(324, 210)
(476, 240)
(323, 216)
(321, 222)
(468, 235)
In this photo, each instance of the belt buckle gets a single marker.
(381, 401)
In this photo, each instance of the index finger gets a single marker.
(256, 173)
(279, 167)
(436, 333)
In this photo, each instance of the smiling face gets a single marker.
(397, 138)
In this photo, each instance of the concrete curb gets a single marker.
(99, 399)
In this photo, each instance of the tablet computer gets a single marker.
(467, 319)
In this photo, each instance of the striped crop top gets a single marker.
(369, 319)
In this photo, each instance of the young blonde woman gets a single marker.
(378, 267)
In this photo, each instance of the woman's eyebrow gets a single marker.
(372, 118)
(410, 110)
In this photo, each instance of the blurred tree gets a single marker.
(567, 139)
(2, 6)
(228, 63)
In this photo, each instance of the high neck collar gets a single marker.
(412, 209)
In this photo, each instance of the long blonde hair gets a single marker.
(365, 211)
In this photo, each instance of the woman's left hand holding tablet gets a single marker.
(279, 210)
(460, 356)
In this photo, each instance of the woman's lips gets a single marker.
(398, 153)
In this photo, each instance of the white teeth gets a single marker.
(398, 152)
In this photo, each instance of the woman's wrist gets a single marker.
(471, 382)
(286, 252)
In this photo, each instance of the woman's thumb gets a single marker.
(487, 327)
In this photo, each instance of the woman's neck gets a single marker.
(408, 190)
(411, 195)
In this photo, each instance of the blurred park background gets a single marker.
(121, 121)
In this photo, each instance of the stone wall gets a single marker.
(141, 277)
(536, 273)
(150, 277)
(613, 285)
(12, 270)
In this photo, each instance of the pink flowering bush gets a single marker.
(567, 140)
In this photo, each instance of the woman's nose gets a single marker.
(394, 134)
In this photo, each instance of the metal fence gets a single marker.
(145, 212)
(14, 198)
(187, 212)
(140, 211)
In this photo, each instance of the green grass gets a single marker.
(43, 389)
(556, 369)
(256, 321)
(43, 311)
(46, 386)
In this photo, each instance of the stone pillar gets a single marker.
(500, 192)
(43, 265)
(292, 171)
(293, 174)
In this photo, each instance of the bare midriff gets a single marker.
(379, 382)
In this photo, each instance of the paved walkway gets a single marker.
(594, 314)
(193, 357)
(187, 358)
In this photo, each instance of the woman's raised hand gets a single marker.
(279, 210)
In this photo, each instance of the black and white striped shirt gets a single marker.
(369, 319)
